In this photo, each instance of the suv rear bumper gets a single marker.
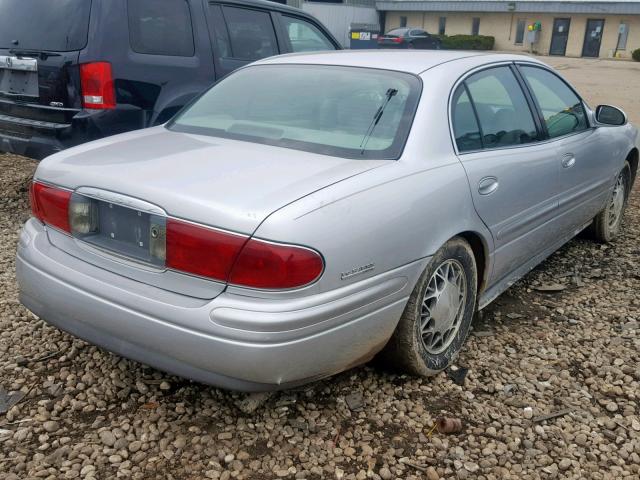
(38, 138)
(235, 342)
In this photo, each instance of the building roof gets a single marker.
(534, 6)
(411, 61)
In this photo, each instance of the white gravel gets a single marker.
(90, 414)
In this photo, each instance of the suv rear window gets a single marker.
(161, 27)
(41, 25)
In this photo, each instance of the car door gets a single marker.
(419, 38)
(513, 175)
(240, 36)
(581, 151)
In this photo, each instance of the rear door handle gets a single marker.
(568, 160)
(487, 185)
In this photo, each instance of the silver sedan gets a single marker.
(310, 211)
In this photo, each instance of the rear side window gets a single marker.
(304, 36)
(502, 109)
(161, 27)
(251, 33)
(562, 110)
(465, 125)
(39, 25)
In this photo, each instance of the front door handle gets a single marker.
(487, 185)
(568, 160)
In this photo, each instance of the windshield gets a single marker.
(341, 111)
(61, 25)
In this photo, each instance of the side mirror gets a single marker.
(609, 115)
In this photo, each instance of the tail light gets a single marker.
(98, 91)
(273, 266)
(200, 250)
(51, 205)
(190, 248)
(397, 40)
(236, 259)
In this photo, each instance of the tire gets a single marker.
(407, 350)
(410, 46)
(606, 225)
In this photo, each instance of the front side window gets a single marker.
(251, 33)
(352, 112)
(304, 36)
(503, 112)
(160, 27)
(561, 108)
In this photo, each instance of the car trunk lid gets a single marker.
(222, 183)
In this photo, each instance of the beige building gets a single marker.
(603, 28)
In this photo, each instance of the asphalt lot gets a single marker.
(574, 353)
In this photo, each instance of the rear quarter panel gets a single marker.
(387, 217)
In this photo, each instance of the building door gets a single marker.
(592, 38)
(559, 36)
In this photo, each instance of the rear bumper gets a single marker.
(39, 139)
(235, 342)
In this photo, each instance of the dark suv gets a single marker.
(81, 70)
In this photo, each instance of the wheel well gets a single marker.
(480, 254)
(632, 158)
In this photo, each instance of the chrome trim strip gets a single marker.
(21, 64)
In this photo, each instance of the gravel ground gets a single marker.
(573, 352)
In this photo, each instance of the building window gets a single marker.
(442, 25)
(623, 33)
(475, 26)
(403, 21)
(520, 28)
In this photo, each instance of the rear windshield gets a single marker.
(341, 111)
(59, 25)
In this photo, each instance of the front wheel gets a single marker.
(438, 316)
(606, 225)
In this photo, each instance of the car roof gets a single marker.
(411, 61)
(268, 5)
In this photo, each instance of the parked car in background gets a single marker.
(409, 38)
(86, 69)
(266, 236)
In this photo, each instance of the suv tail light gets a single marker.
(190, 248)
(51, 205)
(96, 80)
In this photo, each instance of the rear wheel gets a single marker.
(606, 225)
(438, 316)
